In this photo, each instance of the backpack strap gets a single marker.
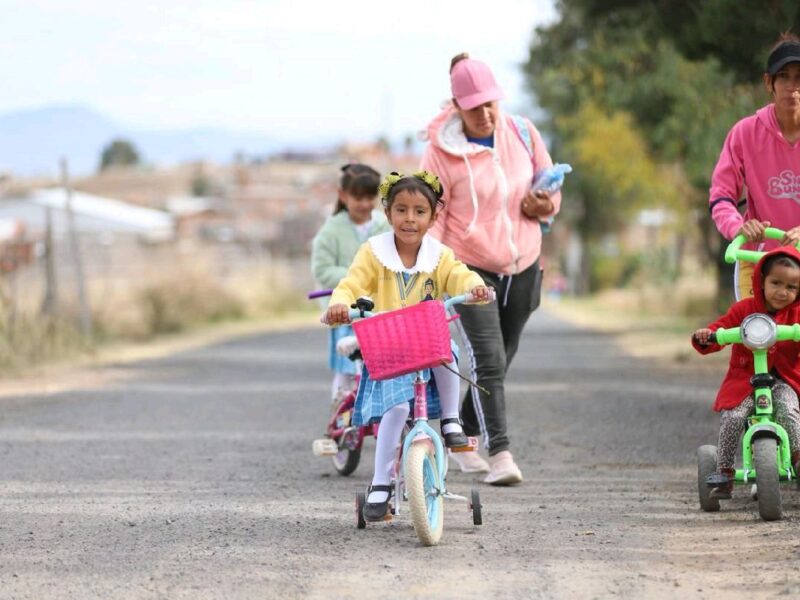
(523, 133)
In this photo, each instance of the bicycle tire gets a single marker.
(423, 487)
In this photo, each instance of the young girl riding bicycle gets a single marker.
(396, 269)
(776, 289)
(354, 220)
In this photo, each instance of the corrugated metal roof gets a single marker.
(91, 213)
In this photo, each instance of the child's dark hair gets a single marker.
(778, 259)
(422, 182)
(358, 180)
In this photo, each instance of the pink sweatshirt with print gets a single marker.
(482, 218)
(758, 160)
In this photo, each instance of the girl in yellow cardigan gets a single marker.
(397, 269)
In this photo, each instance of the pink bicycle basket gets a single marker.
(405, 340)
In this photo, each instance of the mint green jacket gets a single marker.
(336, 244)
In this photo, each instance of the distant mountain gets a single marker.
(33, 141)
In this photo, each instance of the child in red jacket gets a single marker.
(776, 285)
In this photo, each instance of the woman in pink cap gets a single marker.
(761, 158)
(486, 160)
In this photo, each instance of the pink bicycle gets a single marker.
(343, 441)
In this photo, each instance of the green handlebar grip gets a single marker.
(789, 332)
(729, 336)
(734, 251)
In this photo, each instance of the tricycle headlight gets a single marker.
(758, 331)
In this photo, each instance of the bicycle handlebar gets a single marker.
(318, 294)
(734, 251)
(355, 313)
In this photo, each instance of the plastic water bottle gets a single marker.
(550, 180)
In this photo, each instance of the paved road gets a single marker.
(191, 477)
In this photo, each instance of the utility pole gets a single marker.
(85, 316)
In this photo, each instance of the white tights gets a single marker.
(342, 382)
(392, 422)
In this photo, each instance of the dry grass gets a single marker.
(174, 298)
(652, 322)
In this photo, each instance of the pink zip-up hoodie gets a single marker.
(482, 218)
(756, 158)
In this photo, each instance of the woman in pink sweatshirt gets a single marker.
(761, 157)
(486, 160)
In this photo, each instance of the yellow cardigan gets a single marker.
(376, 271)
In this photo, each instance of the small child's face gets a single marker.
(781, 286)
(410, 216)
(358, 207)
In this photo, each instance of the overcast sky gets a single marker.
(289, 68)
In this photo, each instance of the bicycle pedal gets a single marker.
(471, 447)
(324, 447)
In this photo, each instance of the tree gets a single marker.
(119, 153)
(678, 73)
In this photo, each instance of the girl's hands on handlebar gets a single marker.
(481, 293)
(703, 336)
(337, 314)
(754, 230)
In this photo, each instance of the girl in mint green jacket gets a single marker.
(353, 221)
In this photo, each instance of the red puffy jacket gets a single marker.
(782, 357)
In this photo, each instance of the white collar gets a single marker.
(384, 249)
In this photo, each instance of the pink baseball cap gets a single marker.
(473, 84)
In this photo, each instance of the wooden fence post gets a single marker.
(85, 315)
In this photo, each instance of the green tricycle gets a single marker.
(766, 455)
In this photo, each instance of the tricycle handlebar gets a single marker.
(734, 251)
(733, 335)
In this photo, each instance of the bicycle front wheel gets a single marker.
(423, 486)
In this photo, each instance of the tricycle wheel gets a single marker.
(765, 460)
(475, 505)
(361, 500)
(706, 465)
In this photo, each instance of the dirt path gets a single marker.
(190, 475)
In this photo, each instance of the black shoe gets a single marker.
(376, 511)
(455, 439)
(721, 484)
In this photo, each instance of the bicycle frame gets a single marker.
(421, 432)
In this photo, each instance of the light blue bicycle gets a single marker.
(421, 468)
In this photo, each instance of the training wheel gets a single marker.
(475, 506)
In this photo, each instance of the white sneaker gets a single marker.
(469, 462)
(503, 471)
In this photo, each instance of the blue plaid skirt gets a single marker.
(374, 398)
(337, 362)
